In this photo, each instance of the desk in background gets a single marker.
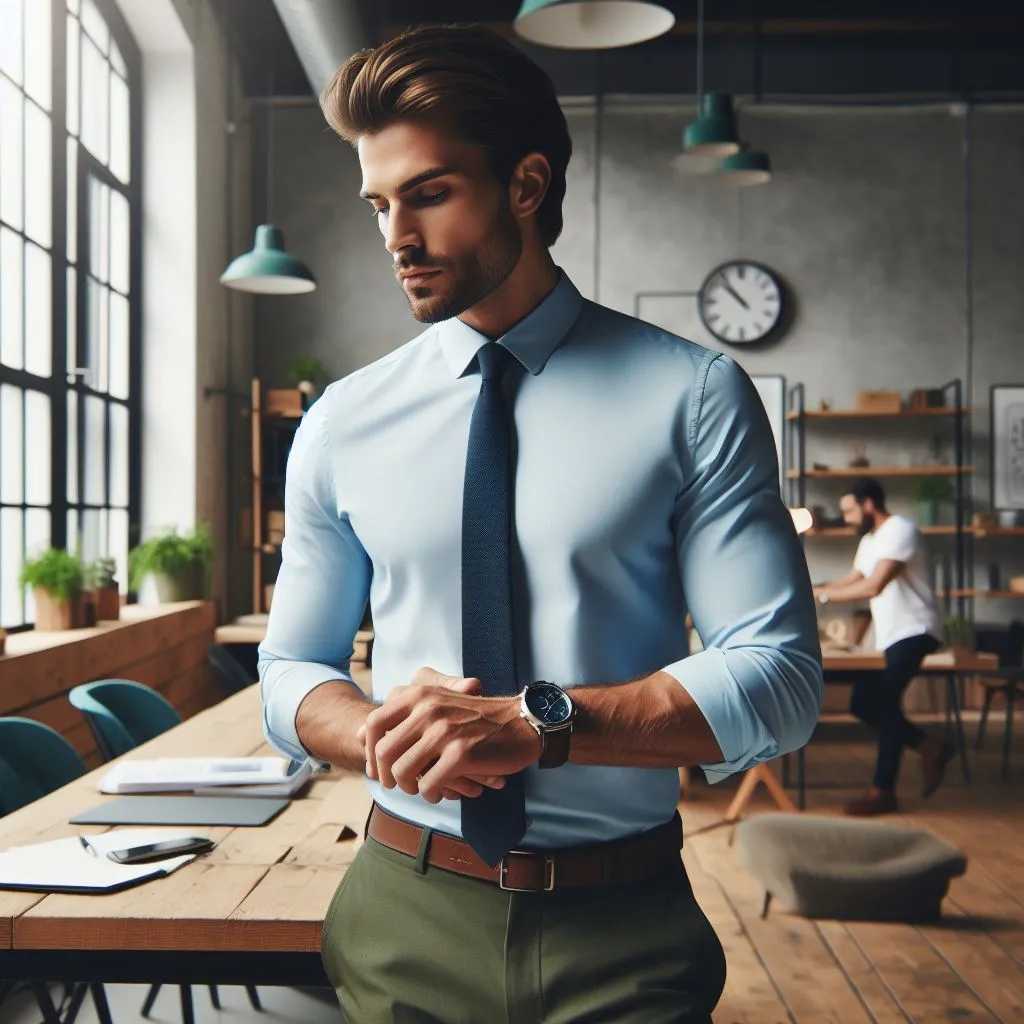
(250, 912)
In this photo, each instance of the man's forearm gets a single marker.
(650, 723)
(861, 590)
(327, 722)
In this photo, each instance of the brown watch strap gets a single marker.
(555, 750)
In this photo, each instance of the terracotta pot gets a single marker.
(54, 615)
(108, 603)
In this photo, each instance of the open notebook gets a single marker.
(64, 865)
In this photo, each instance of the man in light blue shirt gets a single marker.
(645, 487)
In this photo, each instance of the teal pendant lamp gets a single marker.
(714, 131)
(591, 24)
(267, 269)
(747, 167)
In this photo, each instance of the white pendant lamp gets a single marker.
(591, 24)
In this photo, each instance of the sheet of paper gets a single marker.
(169, 774)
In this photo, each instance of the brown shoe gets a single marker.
(873, 802)
(933, 765)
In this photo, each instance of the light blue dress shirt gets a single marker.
(646, 486)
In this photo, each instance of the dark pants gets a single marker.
(876, 701)
(407, 943)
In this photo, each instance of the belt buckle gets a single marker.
(549, 873)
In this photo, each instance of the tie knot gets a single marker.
(494, 361)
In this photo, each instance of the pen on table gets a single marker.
(88, 848)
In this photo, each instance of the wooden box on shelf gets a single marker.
(927, 398)
(879, 401)
(282, 402)
(107, 601)
(275, 526)
(54, 616)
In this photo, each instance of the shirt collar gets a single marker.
(531, 341)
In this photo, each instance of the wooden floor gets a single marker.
(970, 967)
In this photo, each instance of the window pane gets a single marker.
(38, 165)
(37, 529)
(72, 305)
(93, 536)
(11, 447)
(118, 454)
(37, 448)
(117, 547)
(11, 560)
(117, 60)
(12, 297)
(11, 38)
(119, 162)
(74, 75)
(119, 358)
(72, 452)
(73, 6)
(96, 340)
(38, 311)
(119, 241)
(38, 46)
(99, 229)
(95, 100)
(95, 451)
(11, 153)
(93, 23)
(72, 200)
(72, 534)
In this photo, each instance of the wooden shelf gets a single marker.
(848, 531)
(999, 531)
(969, 592)
(877, 471)
(856, 414)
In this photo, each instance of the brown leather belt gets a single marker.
(650, 855)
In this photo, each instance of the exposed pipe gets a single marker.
(325, 33)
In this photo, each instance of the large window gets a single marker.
(69, 285)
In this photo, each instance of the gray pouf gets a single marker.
(848, 870)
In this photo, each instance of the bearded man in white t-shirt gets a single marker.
(890, 571)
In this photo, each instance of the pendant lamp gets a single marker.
(591, 24)
(747, 167)
(267, 269)
(714, 131)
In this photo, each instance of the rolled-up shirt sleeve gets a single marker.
(758, 682)
(321, 591)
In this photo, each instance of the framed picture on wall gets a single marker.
(772, 390)
(1007, 440)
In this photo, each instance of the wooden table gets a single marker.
(250, 912)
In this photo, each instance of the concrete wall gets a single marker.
(865, 220)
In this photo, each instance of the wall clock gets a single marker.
(741, 302)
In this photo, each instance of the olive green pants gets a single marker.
(406, 943)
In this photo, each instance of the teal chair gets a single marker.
(121, 715)
(34, 761)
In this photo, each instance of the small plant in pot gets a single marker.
(929, 493)
(958, 633)
(100, 581)
(178, 563)
(310, 376)
(57, 579)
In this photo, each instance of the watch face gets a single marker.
(548, 703)
(741, 302)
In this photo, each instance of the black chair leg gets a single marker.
(147, 1006)
(77, 998)
(1011, 700)
(254, 997)
(99, 999)
(45, 1003)
(983, 721)
(953, 706)
(214, 997)
(187, 1014)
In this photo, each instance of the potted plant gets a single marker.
(309, 375)
(101, 584)
(929, 493)
(958, 634)
(178, 564)
(57, 579)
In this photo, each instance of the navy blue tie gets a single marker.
(495, 821)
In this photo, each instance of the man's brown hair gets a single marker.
(489, 91)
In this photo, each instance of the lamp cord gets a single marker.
(270, 148)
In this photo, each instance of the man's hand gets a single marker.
(437, 735)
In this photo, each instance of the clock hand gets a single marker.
(735, 294)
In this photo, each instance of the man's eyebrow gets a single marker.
(419, 179)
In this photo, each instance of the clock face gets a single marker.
(740, 302)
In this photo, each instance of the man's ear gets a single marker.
(529, 184)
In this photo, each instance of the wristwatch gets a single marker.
(549, 709)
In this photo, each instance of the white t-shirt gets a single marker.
(906, 605)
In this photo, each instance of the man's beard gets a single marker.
(474, 275)
(867, 524)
